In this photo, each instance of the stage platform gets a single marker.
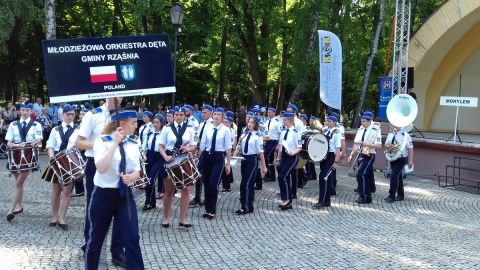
(432, 152)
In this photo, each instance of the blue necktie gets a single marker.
(245, 149)
(121, 185)
(68, 128)
(152, 147)
(201, 132)
(363, 136)
(178, 128)
(285, 138)
(268, 128)
(141, 133)
(214, 139)
(393, 139)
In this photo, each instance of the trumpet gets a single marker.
(238, 148)
(366, 152)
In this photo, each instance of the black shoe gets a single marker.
(63, 226)
(83, 248)
(356, 190)
(79, 194)
(202, 203)
(333, 193)
(364, 201)
(241, 212)
(373, 190)
(258, 188)
(279, 194)
(389, 200)
(187, 225)
(358, 200)
(194, 202)
(286, 207)
(10, 217)
(54, 224)
(399, 198)
(18, 212)
(119, 261)
(317, 205)
(165, 225)
(265, 179)
(294, 197)
(148, 207)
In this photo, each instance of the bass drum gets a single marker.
(314, 147)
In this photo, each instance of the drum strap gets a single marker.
(179, 135)
(64, 136)
(23, 132)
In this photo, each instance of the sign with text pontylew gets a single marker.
(99, 68)
(459, 101)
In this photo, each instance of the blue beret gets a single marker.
(208, 107)
(303, 116)
(366, 117)
(159, 116)
(256, 119)
(313, 118)
(220, 110)
(84, 110)
(149, 114)
(250, 114)
(334, 114)
(28, 106)
(272, 109)
(255, 110)
(288, 114)
(369, 113)
(188, 107)
(229, 119)
(333, 118)
(178, 109)
(68, 107)
(123, 115)
(293, 107)
(170, 112)
(229, 113)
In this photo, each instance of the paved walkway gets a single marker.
(434, 228)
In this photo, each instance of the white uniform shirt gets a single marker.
(204, 125)
(168, 138)
(193, 123)
(93, 123)
(110, 179)
(144, 131)
(255, 144)
(335, 139)
(293, 140)
(148, 145)
(369, 137)
(342, 130)
(274, 128)
(13, 131)
(299, 125)
(399, 138)
(223, 139)
(54, 141)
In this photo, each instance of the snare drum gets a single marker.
(22, 157)
(314, 147)
(68, 165)
(143, 181)
(182, 171)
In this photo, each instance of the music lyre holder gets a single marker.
(417, 131)
(457, 134)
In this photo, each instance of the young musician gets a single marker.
(78, 185)
(61, 138)
(147, 128)
(20, 131)
(215, 144)
(396, 179)
(368, 138)
(109, 195)
(176, 137)
(92, 127)
(330, 162)
(252, 149)
(228, 179)
(155, 164)
(287, 152)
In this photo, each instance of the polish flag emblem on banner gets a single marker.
(103, 74)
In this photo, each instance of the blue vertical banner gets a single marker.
(385, 85)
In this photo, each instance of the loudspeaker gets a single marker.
(409, 77)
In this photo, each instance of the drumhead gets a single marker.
(176, 161)
(317, 147)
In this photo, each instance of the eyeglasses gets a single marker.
(70, 114)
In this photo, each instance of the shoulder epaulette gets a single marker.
(277, 120)
(130, 139)
(294, 130)
(335, 131)
(258, 133)
(96, 110)
(361, 128)
(167, 125)
(34, 124)
(374, 128)
(56, 128)
(106, 138)
(15, 123)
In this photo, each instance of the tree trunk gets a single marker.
(119, 14)
(157, 19)
(223, 67)
(368, 69)
(311, 45)
(51, 25)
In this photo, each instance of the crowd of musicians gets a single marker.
(116, 152)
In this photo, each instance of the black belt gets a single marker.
(216, 153)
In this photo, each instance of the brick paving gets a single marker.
(434, 228)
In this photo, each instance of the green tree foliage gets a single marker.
(265, 45)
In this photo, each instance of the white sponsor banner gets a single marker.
(330, 69)
(459, 101)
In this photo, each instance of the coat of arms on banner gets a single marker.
(387, 84)
(128, 72)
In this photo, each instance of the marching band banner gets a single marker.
(330, 69)
(385, 86)
(99, 68)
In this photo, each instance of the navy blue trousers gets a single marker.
(286, 167)
(247, 192)
(116, 246)
(325, 186)
(199, 184)
(105, 204)
(213, 166)
(227, 180)
(364, 175)
(396, 178)
(154, 165)
(311, 173)
(269, 154)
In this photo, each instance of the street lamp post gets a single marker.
(176, 13)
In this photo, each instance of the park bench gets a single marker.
(464, 172)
